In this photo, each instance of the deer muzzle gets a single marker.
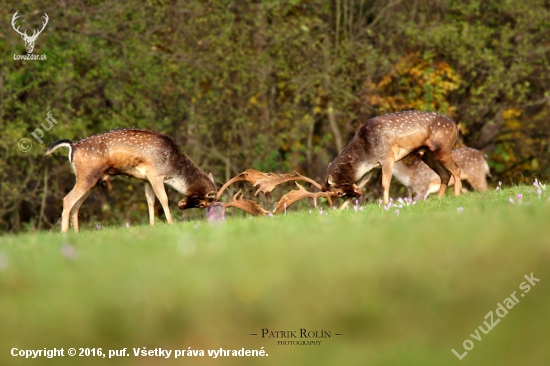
(197, 202)
(348, 190)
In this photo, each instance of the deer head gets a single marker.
(202, 195)
(342, 190)
(29, 40)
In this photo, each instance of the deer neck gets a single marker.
(188, 179)
(352, 163)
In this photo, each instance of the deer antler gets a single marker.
(266, 182)
(249, 175)
(296, 195)
(245, 205)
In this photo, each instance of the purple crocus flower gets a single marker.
(68, 251)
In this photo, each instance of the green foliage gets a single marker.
(243, 84)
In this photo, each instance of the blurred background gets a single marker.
(271, 85)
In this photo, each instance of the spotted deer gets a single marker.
(142, 154)
(384, 140)
(420, 179)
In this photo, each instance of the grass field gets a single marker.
(402, 289)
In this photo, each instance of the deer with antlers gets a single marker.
(29, 40)
(142, 154)
(420, 179)
(384, 140)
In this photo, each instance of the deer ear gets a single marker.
(330, 181)
(211, 177)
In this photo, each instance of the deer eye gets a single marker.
(340, 194)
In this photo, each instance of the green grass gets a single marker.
(402, 289)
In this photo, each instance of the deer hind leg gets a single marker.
(76, 207)
(150, 195)
(158, 187)
(451, 166)
(430, 159)
(72, 202)
(387, 171)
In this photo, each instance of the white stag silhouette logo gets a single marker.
(29, 41)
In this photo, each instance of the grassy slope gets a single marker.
(402, 289)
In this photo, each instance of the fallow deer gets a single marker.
(141, 154)
(384, 140)
(418, 177)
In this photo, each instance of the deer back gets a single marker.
(140, 154)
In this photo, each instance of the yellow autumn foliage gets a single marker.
(415, 83)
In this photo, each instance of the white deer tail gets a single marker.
(61, 143)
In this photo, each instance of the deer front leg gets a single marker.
(150, 195)
(346, 203)
(158, 187)
(387, 171)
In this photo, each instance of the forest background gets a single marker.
(272, 85)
